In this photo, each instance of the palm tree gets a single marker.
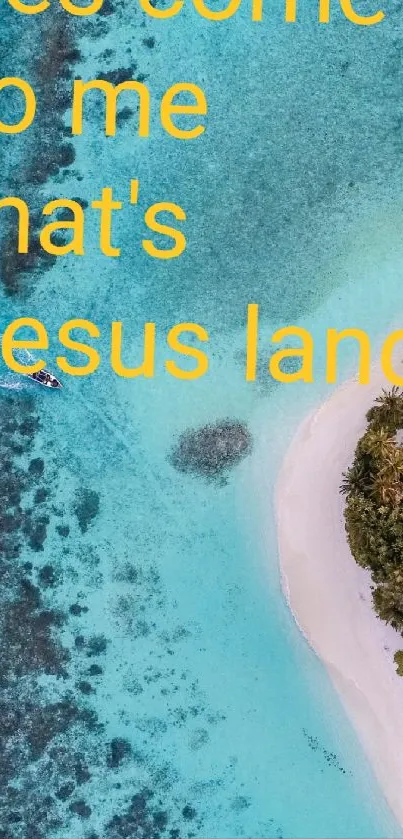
(388, 601)
(378, 443)
(354, 480)
(392, 473)
(383, 461)
(387, 487)
(387, 483)
(388, 408)
(390, 398)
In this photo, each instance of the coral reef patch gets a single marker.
(212, 450)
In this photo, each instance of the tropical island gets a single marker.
(373, 512)
(341, 560)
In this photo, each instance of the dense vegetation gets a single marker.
(373, 486)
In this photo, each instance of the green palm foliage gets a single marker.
(398, 659)
(388, 409)
(388, 599)
(373, 486)
(354, 480)
(377, 442)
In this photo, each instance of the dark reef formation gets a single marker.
(49, 150)
(212, 450)
(30, 725)
(86, 507)
(53, 661)
(140, 819)
(52, 743)
(48, 155)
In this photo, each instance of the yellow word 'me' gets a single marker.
(171, 106)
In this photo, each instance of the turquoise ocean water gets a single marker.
(157, 684)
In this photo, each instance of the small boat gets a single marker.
(43, 377)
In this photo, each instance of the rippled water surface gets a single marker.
(154, 683)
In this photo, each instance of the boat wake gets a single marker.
(13, 381)
(8, 382)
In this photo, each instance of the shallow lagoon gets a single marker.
(232, 726)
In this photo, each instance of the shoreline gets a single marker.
(327, 592)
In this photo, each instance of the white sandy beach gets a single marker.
(328, 593)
